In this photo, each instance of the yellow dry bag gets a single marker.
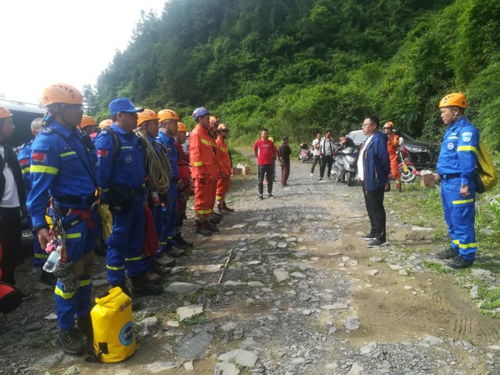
(112, 327)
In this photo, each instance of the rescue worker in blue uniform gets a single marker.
(64, 167)
(121, 175)
(166, 136)
(456, 167)
(158, 171)
(23, 156)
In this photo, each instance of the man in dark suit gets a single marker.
(373, 171)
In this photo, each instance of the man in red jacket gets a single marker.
(226, 167)
(204, 170)
(266, 153)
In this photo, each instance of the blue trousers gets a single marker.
(169, 218)
(74, 300)
(459, 213)
(125, 243)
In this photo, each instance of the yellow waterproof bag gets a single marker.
(112, 327)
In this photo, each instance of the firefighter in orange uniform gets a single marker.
(393, 143)
(224, 180)
(204, 170)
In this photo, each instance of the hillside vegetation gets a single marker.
(300, 66)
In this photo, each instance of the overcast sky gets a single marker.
(70, 41)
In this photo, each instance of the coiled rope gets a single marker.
(158, 164)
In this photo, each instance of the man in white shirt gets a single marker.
(12, 200)
(327, 148)
(316, 145)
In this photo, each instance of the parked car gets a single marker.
(421, 154)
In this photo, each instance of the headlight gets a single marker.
(416, 149)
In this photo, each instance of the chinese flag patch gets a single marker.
(39, 157)
(102, 153)
(24, 162)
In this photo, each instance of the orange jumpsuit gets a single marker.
(204, 170)
(224, 180)
(392, 147)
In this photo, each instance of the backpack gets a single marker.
(486, 174)
(10, 298)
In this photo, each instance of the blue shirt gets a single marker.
(58, 170)
(172, 154)
(23, 156)
(125, 169)
(459, 150)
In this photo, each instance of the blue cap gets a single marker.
(200, 112)
(122, 105)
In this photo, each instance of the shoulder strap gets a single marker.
(82, 159)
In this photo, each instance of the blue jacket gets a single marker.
(23, 156)
(459, 149)
(376, 163)
(58, 170)
(125, 169)
(173, 156)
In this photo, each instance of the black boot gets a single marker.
(71, 341)
(47, 278)
(136, 305)
(141, 286)
(459, 262)
(181, 242)
(448, 253)
(202, 228)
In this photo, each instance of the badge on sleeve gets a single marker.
(39, 157)
(451, 146)
(24, 162)
(102, 153)
(466, 136)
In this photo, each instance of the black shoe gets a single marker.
(204, 231)
(448, 253)
(270, 195)
(135, 304)
(211, 226)
(261, 196)
(368, 237)
(459, 262)
(71, 341)
(181, 242)
(48, 278)
(176, 252)
(377, 243)
(141, 286)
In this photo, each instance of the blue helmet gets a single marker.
(200, 112)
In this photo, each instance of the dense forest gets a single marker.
(299, 66)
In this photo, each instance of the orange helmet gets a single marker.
(87, 121)
(388, 124)
(61, 93)
(222, 126)
(181, 127)
(4, 112)
(168, 114)
(105, 123)
(454, 99)
(146, 115)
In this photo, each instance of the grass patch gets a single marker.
(238, 158)
(438, 267)
(195, 319)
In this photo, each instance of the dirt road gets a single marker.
(302, 294)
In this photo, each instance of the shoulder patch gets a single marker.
(466, 136)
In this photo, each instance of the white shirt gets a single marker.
(327, 146)
(316, 143)
(361, 166)
(10, 197)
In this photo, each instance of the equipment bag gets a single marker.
(486, 174)
(10, 298)
(113, 331)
